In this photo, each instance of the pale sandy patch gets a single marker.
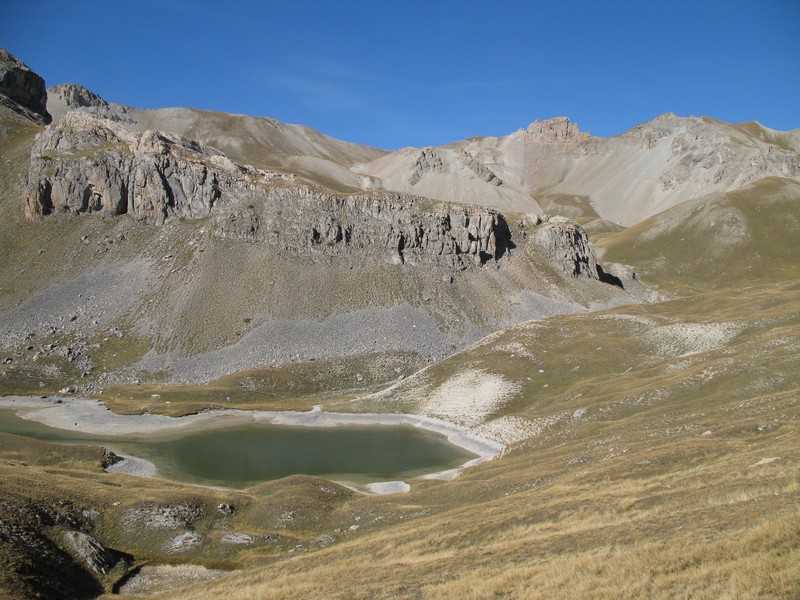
(467, 398)
(683, 339)
(633, 319)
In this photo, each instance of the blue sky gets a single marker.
(413, 73)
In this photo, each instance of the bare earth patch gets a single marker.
(469, 397)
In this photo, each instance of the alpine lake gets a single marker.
(241, 456)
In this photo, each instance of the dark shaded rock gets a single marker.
(89, 553)
(109, 458)
(225, 508)
(22, 90)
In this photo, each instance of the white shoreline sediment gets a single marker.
(93, 417)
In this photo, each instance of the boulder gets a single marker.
(89, 553)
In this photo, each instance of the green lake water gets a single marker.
(244, 455)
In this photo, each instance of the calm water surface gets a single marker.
(244, 455)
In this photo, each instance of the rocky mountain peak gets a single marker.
(75, 96)
(557, 129)
(21, 89)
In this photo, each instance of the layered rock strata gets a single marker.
(88, 164)
(398, 228)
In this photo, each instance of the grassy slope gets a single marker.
(634, 498)
(740, 238)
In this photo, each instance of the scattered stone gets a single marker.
(579, 414)
(91, 515)
(225, 508)
(237, 538)
(162, 516)
(151, 580)
(183, 542)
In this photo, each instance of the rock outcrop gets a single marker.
(441, 161)
(66, 97)
(22, 90)
(557, 129)
(88, 164)
(75, 96)
(565, 244)
(398, 228)
(85, 164)
(428, 161)
(89, 553)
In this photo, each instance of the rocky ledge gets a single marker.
(397, 228)
(85, 164)
(88, 164)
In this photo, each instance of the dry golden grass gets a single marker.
(632, 500)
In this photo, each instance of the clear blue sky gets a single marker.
(416, 73)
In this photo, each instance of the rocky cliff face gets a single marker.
(565, 244)
(85, 164)
(397, 228)
(21, 89)
(88, 164)
(66, 97)
(75, 96)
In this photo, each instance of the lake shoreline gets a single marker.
(92, 417)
